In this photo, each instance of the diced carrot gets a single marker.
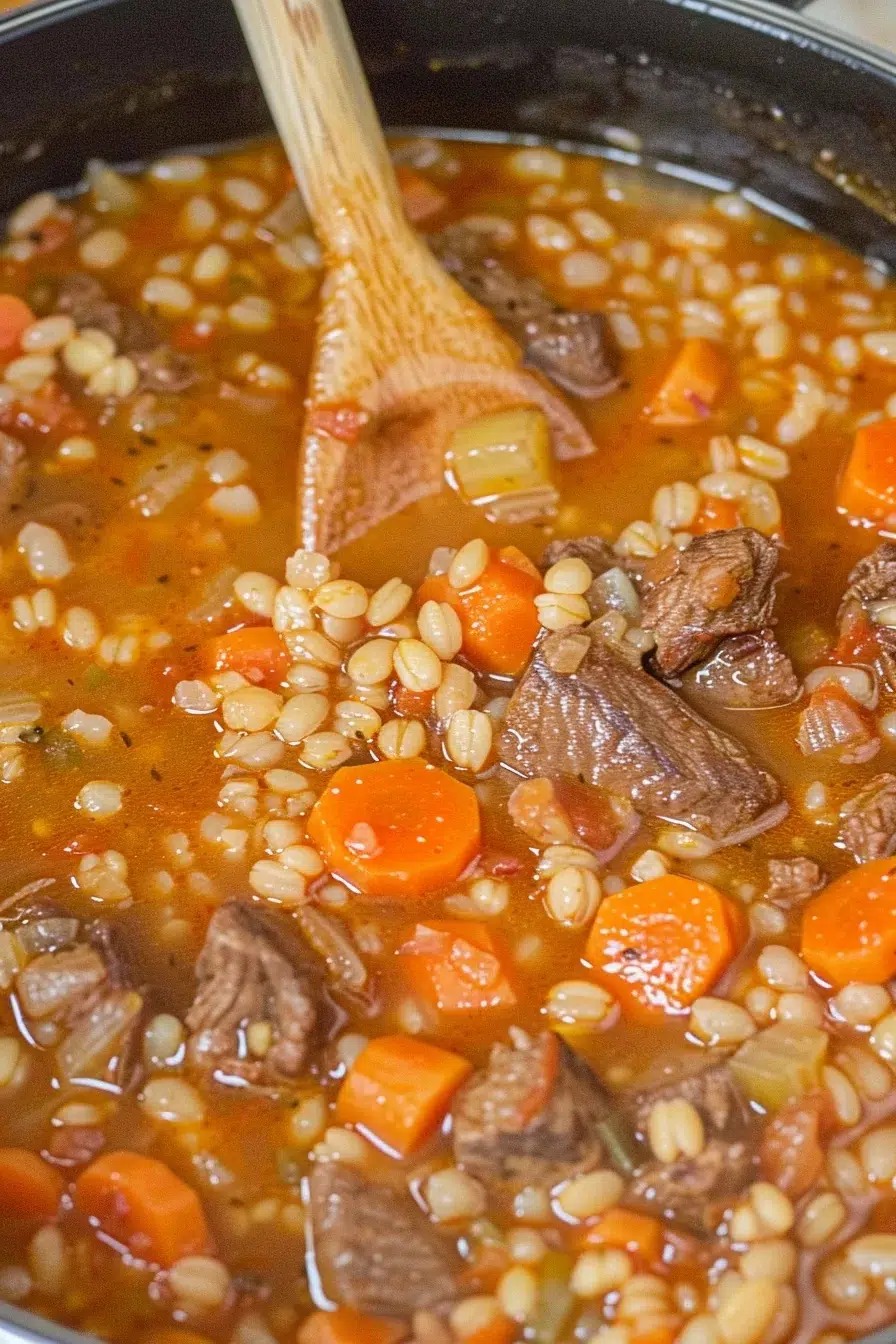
(346, 1326)
(257, 651)
(140, 1203)
(691, 386)
(659, 1334)
(29, 1186)
(15, 316)
(868, 485)
(499, 1330)
(399, 1089)
(716, 515)
(421, 198)
(849, 929)
(410, 704)
(497, 613)
(661, 944)
(858, 641)
(193, 335)
(635, 1232)
(458, 966)
(396, 828)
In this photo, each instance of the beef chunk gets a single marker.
(870, 592)
(15, 474)
(574, 349)
(719, 585)
(868, 821)
(583, 710)
(833, 722)
(247, 974)
(161, 368)
(82, 985)
(792, 881)
(747, 672)
(695, 1191)
(536, 1115)
(375, 1250)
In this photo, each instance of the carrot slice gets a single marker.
(15, 316)
(658, 946)
(141, 1204)
(399, 1089)
(500, 1330)
(636, 1232)
(659, 1334)
(868, 485)
(29, 1186)
(346, 1326)
(849, 929)
(497, 613)
(396, 828)
(458, 966)
(716, 515)
(257, 651)
(691, 386)
(421, 198)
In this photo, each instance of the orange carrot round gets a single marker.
(140, 1203)
(849, 929)
(497, 613)
(29, 1186)
(399, 1089)
(458, 966)
(691, 386)
(257, 651)
(716, 515)
(658, 946)
(396, 828)
(15, 316)
(635, 1232)
(347, 1326)
(868, 485)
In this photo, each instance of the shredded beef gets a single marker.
(872, 586)
(574, 349)
(721, 584)
(161, 368)
(536, 1115)
(792, 881)
(375, 1250)
(247, 973)
(747, 672)
(582, 710)
(868, 821)
(695, 1191)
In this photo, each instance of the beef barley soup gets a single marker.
(486, 934)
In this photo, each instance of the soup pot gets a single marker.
(723, 92)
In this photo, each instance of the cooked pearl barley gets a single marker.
(526, 1246)
(558, 611)
(582, 269)
(674, 1129)
(356, 721)
(162, 1040)
(782, 969)
(93, 730)
(103, 876)
(579, 1003)
(877, 1151)
(118, 378)
(586, 1196)
(324, 751)
(235, 504)
(168, 294)
(250, 709)
(47, 335)
(747, 1312)
(517, 1293)
(292, 611)
(881, 344)
(416, 666)
(456, 692)
(401, 739)
(29, 216)
(775, 1259)
(308, 1121)
(341, 597)
(88, 352)
(847, 1107)
(720, 1022)
(649, 865)
(198, 1282)
(861, 1005)
(821, 1219)
(452, 1194)
(440, 628)
(572, 897)
(211, 265)
(245, 194)
(468, 740)
(103, 249)
(570, 575)
(173, 1100)
(868, 1075)
(308, 570)
(302, 715)
(596, 1273)
(489, 896)
(226, 467)
(275, 883)
(843, 1286)
(771, 340)
(468, 564)
(310, 646)
(257, 592)
(77, 449)
(99, 799)
(371, 664)
(253, 312)
(874, 1254)
(764, 459)
(537, 164)
(592, 226)
(676, 505)
(28, 373)
(473, 1314)
(883, 1038)
(388, 602)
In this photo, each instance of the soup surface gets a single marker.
(489, 936)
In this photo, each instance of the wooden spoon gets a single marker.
(402, 354)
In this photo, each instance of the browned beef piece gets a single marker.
(15, 474)
(536, 1115)
(871, 585)
(694, 1191)
(868, 821)
(747, 672)
(574, 349)
(721, 584)
(248, 973)
(161, 368)
(375, 1250)
(583, 710)
(83, 985)
(792, 881)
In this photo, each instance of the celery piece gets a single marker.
(502, 462)
(779, 1064)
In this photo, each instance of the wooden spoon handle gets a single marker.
(309, 66)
